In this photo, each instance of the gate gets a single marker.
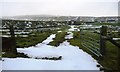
(90, 38)
(98, 39)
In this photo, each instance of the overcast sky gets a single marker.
(59, 7)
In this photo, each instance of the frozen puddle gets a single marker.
(73, 58)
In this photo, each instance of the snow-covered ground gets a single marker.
(59, 31)
(0, 65)
(73, 58)
(69, 36)
(73, 28)
(116, 38)
(90, 26)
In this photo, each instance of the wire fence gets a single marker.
(99, 40)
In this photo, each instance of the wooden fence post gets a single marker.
(13, 48)
(103, 35)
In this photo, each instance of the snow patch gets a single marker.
(69, 36)
(0, 66)
(59, 31)
(116, 38)
(73, 58)
(73, 28)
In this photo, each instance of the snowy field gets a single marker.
(73, 58)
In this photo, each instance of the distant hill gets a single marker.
(59, 18)
(40, 17)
